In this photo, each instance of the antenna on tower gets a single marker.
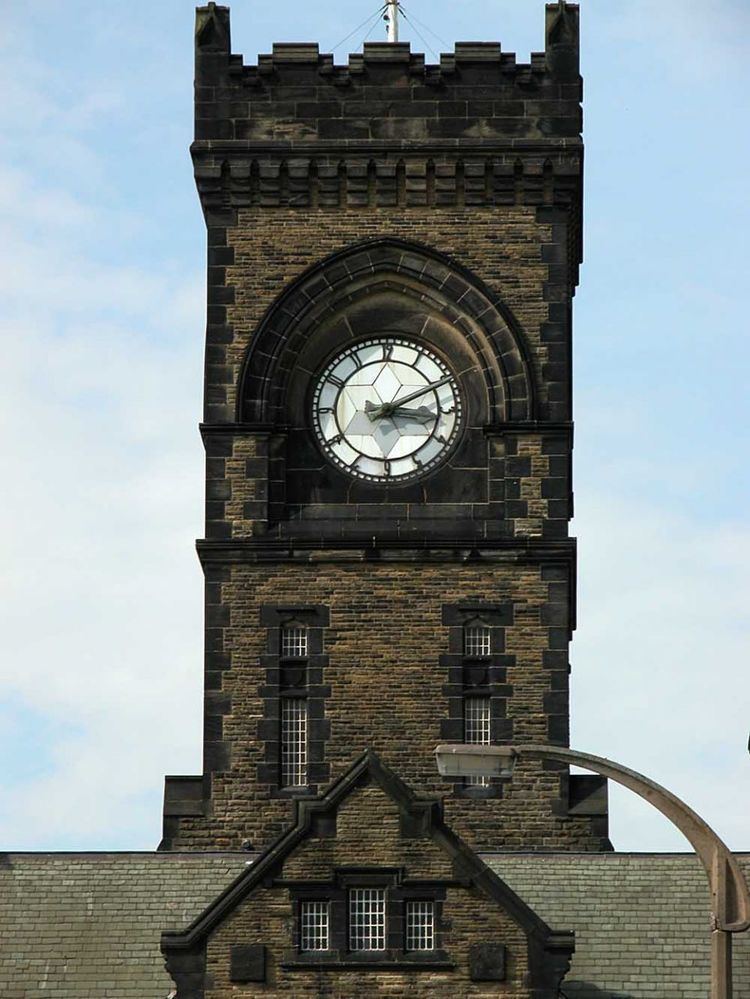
(391, 19)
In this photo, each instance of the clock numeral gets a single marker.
(387, 351)
(441, 438)
(335, 440)
(387, 466)
(335, 381)
(326, 409)
(417, 462)
(445, 412)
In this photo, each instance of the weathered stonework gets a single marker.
(368, 828)
(387, 672)
(440, 204)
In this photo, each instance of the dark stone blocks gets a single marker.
(216, 757)
(487, 962)
(248, 963)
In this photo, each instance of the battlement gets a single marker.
(465, 56)
(388, 130)
(387, 93)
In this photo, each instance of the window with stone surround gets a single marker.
(420, 925)
(477, 730)
(477, 687)
(314, 926)
(294, 729)
(477, 639)
(293, 641)
(368, 916)
(293, 742)
(367, 919)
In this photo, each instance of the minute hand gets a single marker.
(388, 407)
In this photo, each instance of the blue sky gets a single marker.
(102, 321)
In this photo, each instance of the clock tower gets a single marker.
(393, 249)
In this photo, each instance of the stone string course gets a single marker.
(87, 926)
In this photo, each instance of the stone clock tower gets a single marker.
(393, 249)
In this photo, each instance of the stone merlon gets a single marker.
(297, 96)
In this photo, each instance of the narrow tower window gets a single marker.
(477, 730)
(476, 639)
(314, 926)
(293, 742)
(294, 641)
(420, 926)
(367, 919)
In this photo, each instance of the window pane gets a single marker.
(367, 919)
(314, 926)
(477, 730)
(293, 641)
(476, 640)
(420, 926)
(294, 742)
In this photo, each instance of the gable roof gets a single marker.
(85, 925)
(420, 819)
(640, 919)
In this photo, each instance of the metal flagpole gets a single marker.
(391, 17)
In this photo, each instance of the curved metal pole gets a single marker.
(729, 893)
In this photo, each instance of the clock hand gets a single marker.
(388, 408)
(420, 392)
(423, 414)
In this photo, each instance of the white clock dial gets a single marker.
(386, 409)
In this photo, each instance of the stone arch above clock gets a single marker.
(391, 288)
(378, 286)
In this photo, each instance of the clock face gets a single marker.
(386, 410)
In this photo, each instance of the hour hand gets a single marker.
(375, 412)
(423, 413)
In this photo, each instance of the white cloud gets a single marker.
(660, 660)
(101, 607)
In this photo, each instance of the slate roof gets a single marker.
(641, 921)
(87, 925)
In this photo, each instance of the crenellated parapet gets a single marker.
(387, 129)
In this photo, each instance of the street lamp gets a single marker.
(730, 901)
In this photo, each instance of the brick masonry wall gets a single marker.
(367, 833)
(387, 690)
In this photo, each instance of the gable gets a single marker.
(368, 829)
(368, 834)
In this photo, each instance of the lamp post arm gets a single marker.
(730, 898)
